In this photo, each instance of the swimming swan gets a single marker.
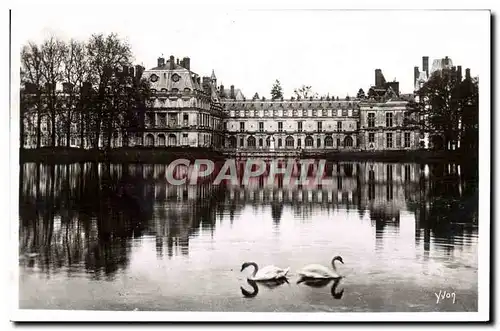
(316, 271)
(269, 272)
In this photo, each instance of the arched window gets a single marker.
(328, 141)
(268, 141)
(172, 140)
(309, 141)
(261, 142)
(161, 139)
(232, 141)
(251, 142)
(150, 140)
(348, 141)
(289, 141)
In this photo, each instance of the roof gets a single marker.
(184, 79)
(166, 66)
(238, 94)
(287, 104)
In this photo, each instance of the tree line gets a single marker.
(81, 89)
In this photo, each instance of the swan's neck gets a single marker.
(333, 266)
(256, 268)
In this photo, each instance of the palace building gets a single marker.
(187, 110)
(287, 126)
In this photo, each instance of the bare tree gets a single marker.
(33, 80)
(75, 68)
(52, 52)
(106, 54)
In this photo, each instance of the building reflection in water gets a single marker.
(87, 216)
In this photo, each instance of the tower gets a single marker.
(213, 78)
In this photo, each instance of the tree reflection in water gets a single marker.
(85, 216)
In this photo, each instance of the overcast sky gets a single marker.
(335, 52)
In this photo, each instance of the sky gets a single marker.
(334, 52)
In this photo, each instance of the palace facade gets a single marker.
(187, 110)
(372, 123)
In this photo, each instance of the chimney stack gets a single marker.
(206, 83)
(231, 95)
(379, 78)
(416, 74)
(425, 64)
(172, 62)
(467, 74)
(446, 60)
(459, 73)
(178, 62)
(161, 61)
(187, 63)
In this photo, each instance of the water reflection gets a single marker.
(320, 283)
(269, 284)
(87, 217)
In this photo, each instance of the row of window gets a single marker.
(295, 113)
(290, 142)
(388, 120)
(319, 126)
(389, 140)
(171, 121)
(174, 90)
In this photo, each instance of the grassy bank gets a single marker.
(119, 155)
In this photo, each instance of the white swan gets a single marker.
(269, 272)
(318, 271)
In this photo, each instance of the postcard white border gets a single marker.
(484, 212)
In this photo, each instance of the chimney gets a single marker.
(221, 92)
(172, 62)
(425, 64)
(161, 61)
(178, 62)
(467, 74)
(379, 78)
(187, 63)
(446, 60)
(206, 83)
(231, 95)
(459, 73)
(416, 74)
(394, 86)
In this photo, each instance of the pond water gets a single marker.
(121, 237)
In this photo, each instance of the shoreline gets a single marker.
(167, 155)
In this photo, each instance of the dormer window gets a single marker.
(174, 90)
(187, 90)
(176, 77)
